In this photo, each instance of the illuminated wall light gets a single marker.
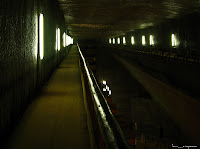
(151, 40)
(104, 82)
(41, 35)
(175, 41)
(109, 92)
(67, 40)
(64, 40)
(58, 41)
(110, 41)
(124, 40)
(132, 40)
(113, 40)
(143, 40)
(118, 40)
(108, 88)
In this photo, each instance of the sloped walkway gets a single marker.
(57, 118)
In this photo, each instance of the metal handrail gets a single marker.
(111, 132)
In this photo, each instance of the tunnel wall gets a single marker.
(22, 72)
(180, 73)
(185, 27)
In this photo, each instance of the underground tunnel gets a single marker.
(99, 74)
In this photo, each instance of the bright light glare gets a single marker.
(104, 89)
(41, 33)
(124, 40)
(58, 41)
(36, 36)
(108, 88)
(66, 38)
(109, 92)
(174, 40)
(110, 41)
(132, 40)
(64, 35)
(118, 40)
(69, 40)
(104, 82)
(143, 40)
(151, 40)
(113, 40)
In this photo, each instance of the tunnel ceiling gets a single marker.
(109, 18)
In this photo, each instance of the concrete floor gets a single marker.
(57, 118)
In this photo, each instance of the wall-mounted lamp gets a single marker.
(41, 36)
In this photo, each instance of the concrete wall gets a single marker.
(22, 72)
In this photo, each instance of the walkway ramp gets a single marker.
(57, 118)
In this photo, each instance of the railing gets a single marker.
(107, 131)
(179, 55)
(182, 108)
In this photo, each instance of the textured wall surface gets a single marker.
(102, 18)
(21, 70)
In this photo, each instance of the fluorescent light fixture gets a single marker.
(64, 35)
(69, 40)
(108, 88)
(151, 40)
(113, 40)
(175, 41)
(58, 41)
(124, 40)
(104, 82)
(109, 92)
(110, 41)
(66, 38)
(41, 37)
(143, 40)
(132, 40)
(118, 40)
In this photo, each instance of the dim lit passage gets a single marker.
(56, 119)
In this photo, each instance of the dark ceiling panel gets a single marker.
(107, 18)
